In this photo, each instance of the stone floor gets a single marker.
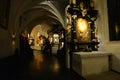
(37, 66)
(40, 66)
(111, 75)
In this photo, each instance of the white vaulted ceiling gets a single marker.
(30, 13)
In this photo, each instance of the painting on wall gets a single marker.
(114, 19)
(4, 13)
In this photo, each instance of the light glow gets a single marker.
(82, 25)
(82, 28)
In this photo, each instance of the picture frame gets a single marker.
(114, 19)
(4, 13)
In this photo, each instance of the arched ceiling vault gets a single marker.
(44, 11)
(42, 20)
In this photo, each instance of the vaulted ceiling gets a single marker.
(32, 12)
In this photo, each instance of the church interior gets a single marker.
(59, 40)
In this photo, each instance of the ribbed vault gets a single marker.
(43, 12)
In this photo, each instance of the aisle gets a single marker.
(40, 66)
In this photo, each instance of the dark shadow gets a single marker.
(47, 47)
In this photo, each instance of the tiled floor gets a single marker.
(35, 67)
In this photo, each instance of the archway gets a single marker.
(38, 14)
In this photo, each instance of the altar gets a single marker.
(88, 63)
